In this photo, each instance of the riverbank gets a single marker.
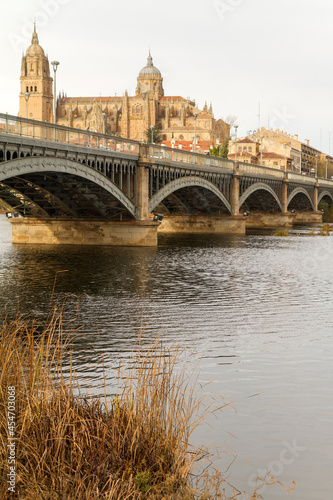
(57, 443)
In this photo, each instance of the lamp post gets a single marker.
(285, 157)
(316, 171)
(219, 150)
(195, 132)
(55, 65)
(104, 117)
(236, 127)
(261, 138)
(152, 133)
(26, 97)
(144, 93)
(326, 168)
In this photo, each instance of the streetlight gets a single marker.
(219, 149)
(104, 117)
(144, 93)
(236, 127)
(55, 65)
(326, 168)
(152, 133)
(316, 165)
(285, 156)
(261, 138)
(195, 132)
(26, 97)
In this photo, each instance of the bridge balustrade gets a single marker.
(249, 168)
(180, 156)
(35, 129)
(301, 178)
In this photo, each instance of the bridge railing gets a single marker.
(301, 178)
(35, 129)
(249, 168)
(178, 155)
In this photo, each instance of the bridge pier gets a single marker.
(260, 220)
(235, 192)
(84, 232)
(285, 195)
(202, 224)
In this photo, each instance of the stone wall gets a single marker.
(77, 232)
(202, 224)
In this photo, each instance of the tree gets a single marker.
(230, 120)
(221, 150)
(156, 132)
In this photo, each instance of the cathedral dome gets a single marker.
(150, 69)
(35, 49)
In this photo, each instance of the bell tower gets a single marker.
(36, 94)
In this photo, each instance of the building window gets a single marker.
(181, 137)
(239, 148)
(27, 89)
(35, 88)
(31, 89)
(250, 148)
(275, 163)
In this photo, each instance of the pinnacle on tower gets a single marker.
(34, 38)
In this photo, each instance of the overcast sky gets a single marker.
(233, 53)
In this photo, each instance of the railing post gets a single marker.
(315, 196)
(235, 190)
(285, 193)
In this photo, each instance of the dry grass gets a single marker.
(281, 231)
(133, 446)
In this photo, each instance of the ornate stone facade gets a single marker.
(175, 116)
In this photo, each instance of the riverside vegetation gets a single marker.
(132, 445)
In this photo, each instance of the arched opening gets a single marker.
(260, 200)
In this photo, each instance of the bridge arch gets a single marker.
(184, 182)
(300, 190)
(43, 164)
(259, 187)
(323, 194)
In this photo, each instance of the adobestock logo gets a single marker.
(48, 9)
(287, 456)
(223, 8)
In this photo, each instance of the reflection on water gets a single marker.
(257, 308)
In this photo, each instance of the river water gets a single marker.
(256, 311)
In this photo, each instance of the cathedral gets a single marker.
(177, 118)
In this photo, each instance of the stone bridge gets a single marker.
(77, 186)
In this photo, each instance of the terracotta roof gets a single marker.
(246, 140)
(271, 155)
(188, 145)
